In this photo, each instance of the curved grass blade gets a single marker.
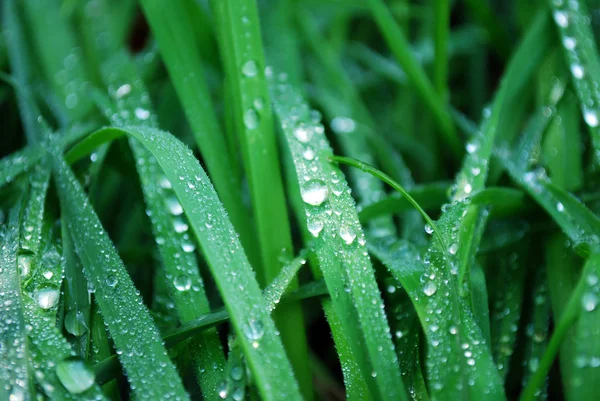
(401, 49)
(116, 294)
(223, 252)
(339, 245)
(581, 54)
(174, 33)
(280, 284)
(181, 273)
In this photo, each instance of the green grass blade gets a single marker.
(280, 284)
(581, 55)
(182, 275)
(173, 31)
(230, 267)
(61, 59)
(116, 294)
(242, 54)
(15, 375)
(339, 244)
(401, 49)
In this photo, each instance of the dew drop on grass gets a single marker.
(569, 43)
(223, 390)
(314, 192)
(75, 375)
(251, 118)
(141, 113)
(343, 125)
(123, 90)
(309, 154)
(250, 69)
(315, 226)
(348, 234)
(164, 182)
(589, 301)
(237, 373)
(430, 288)
(174, 206)
(75, 323)
(561, 19)
(182, 283)
(111, 281)
(428, 229)
(254, 330)
(471, 147)
(303, 133)
(453, 248)
(24, 263)
(47, 297)
(238, 395)
(180, 226)
(592, 279)
(590, 117)
(188, 247)
(560, 207)
(577, 71)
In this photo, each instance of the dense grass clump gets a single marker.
(299, 200)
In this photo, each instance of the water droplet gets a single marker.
(348, 234)
(237, 373)
(223, 390)
(428, 229)
(453, 248)
(315, 226)
(577, 71)
(560, 207)
(180, 226)
(254, 330)
(309, 154)
(238, 395)
(590, 117)
(471, 147)
(303, 133)
(164, 183)
(47, 297)
(24, 262)
(471, 362)
(258, 103)
(343, 125)
(569, 43)
(141, 113)
(111, 281)
(75, 323)
(251, 118)
(250, 69)
(592, 279)
(123, 90)
(174, 206)
(314, 192)
(430, 288)
(561, 19)
(75, 375)
(589, 301)
(188, 247)
(182, 283)
(48, 274)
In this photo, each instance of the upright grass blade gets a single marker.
(242, 53)
(15, 374)
(400, 48)
(174, 33)
(60, 58)
(572, 21)
(116, 294)
(182, 275)
(339, 244)
(223, 252)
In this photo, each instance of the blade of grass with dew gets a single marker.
(242, 53)
(581, 313)
(60, 58)
(479, 301)
(15, 374)
(182, 275)
(536, 331)
(222, 251)
(581, 54)
(116, 294)
(339, 244)
(401, 49)
(474, 172)
(478, 364)
(507, 272)
(173, 32)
